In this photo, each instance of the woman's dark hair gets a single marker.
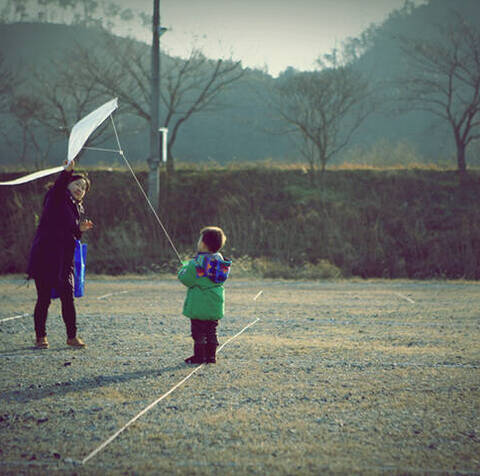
(213, 237)
(80, 176)
(75, 176)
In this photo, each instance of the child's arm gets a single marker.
(188, 274)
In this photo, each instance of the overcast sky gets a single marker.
(271, 33)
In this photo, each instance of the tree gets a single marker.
(35, 141)
(191, 86)
(7, 81)
(323, 108)
(444, 79)
(78, 11)
(20, 9)
(46, 110)
(121, 67)
(10, 82)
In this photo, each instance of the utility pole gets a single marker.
(154, 159)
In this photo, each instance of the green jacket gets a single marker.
(204, 276)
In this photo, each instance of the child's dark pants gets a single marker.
(204, 334)
(44, 293)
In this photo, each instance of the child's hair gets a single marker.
(213, 237)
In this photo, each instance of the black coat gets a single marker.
(51, 255)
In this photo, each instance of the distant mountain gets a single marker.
(385, 63)
(237, 131)
(35, 44)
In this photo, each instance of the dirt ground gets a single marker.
(363, 377)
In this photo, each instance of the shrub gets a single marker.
(368, 223)
(276, 269)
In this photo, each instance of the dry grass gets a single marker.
(268, 163)
(345, 377)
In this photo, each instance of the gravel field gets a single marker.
(363, 377)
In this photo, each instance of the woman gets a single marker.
(51, 256)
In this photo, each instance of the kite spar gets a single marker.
(80, 133)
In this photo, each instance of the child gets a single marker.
(52, 252)
(204, 276)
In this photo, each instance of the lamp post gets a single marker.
(154, 159)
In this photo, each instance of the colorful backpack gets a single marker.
(215, 269)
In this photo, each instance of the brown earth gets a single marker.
(364, 377)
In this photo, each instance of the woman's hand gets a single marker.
(70, 165)
(85, 225)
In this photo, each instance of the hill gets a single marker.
(386, 64)
(235, 132)
(228, 134)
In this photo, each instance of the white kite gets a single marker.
(83, 128)
(78, 136)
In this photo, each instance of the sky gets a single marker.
(264, 34)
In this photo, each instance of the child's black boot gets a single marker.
(211, 350)
(198, 356)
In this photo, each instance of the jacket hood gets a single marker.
(212, 266)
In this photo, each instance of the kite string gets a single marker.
(120, 151)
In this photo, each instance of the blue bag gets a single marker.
(79, 262)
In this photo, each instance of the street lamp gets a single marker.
(154, 159)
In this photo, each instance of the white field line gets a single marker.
(112, 294)
(158, 400)
(135, 418)
(14, 317)
(258, 295)
(411, 301)
(237, 334)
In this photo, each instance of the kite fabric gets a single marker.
(83, 128)
(34, 176)
(78, 136)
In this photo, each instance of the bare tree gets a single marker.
(193, 86)
(20, 9)
(35, 143)
(324, 108)
(79, 12)
(10, 83)
(444, 79)
(6, 85)
(46, 111)
(60, 105)
(121, 67)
